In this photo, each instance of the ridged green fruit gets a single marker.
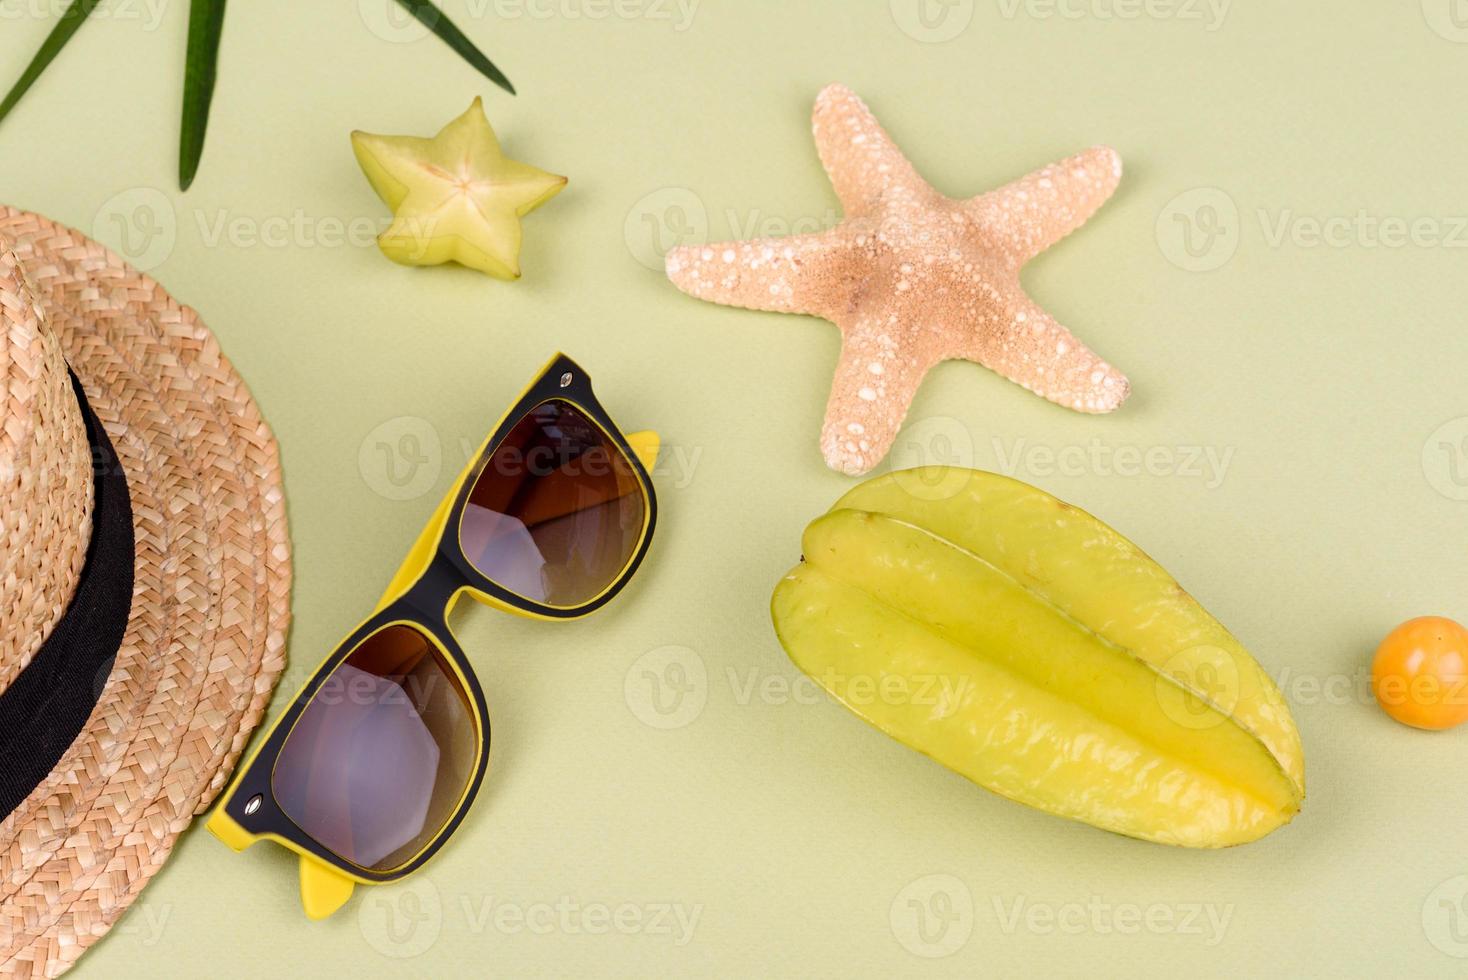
(1063, 668)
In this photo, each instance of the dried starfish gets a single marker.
(913, 278)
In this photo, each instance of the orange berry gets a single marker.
(1420, 674)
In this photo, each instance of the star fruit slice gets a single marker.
(455, 197)
(1031, 648)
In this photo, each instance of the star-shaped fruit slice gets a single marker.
(455, 197)
(913, 278)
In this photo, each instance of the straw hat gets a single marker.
(185, 576)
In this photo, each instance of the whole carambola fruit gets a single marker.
(1026, 645)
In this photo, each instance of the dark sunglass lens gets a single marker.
(378, 761)
(557, 512)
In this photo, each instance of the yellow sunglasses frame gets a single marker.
(327, 884)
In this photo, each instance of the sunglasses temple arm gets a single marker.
(421, 554)
(323, 888)
(645, 445)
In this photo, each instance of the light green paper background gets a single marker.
(1317, 372)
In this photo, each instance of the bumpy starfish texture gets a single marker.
(913, 278)
(455, 197)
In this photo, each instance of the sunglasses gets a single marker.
(376, 761)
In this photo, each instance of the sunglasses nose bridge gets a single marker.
(431, 599)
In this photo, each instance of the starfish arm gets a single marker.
(1040, 355)
(1031, 214)
(792, 274)
(870, 395)
(866, 168)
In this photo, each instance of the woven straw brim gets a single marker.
(206, 639)
(46, 476)
(46, 489)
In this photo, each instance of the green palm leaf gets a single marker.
(201, 63)
(73, 18)
(206, 21)
(437, 21)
